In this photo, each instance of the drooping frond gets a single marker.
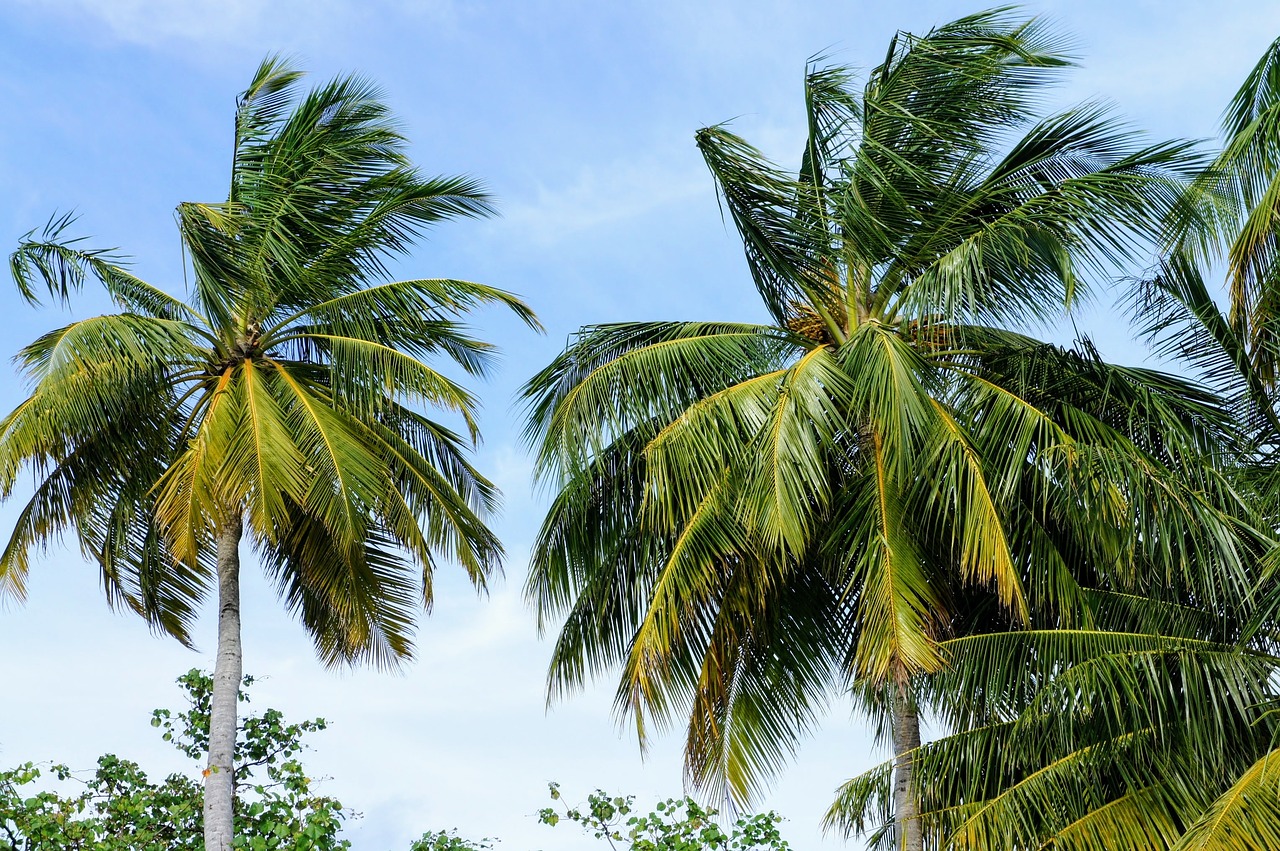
(62, 264)
(1081, 739)
(762, 681)
(357, 602)
(1245, 817)
(617, 376)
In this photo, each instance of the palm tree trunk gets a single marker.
(906, 739)
(219, 776)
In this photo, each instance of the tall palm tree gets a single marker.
(749, 517)
(1156, 729)
(284, 401)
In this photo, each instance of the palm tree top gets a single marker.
(936, 189)
(749, 517)
(290, 387)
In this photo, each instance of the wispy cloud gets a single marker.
(599, 195)
(154, 22)
(209, 25)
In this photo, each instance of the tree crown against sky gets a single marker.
(747, 518)
(285, 401)
(289, 389)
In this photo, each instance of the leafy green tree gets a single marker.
(673, 825)
(750, 517)
(448, 840)
(119, 808)
(282, 401)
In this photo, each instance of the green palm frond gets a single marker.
(370, 375)
(759, 200)
(357, 603)
(416, 316)
(760, 687)
(449, 503)
(62, 265)
(1245, 817)
(1136, 821)
(1082, 739)
(639, 372)
(978, 529)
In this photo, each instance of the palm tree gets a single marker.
(1147, 723)
(750, 517)
(1156, 728)
(1116, 736)
(283, 401)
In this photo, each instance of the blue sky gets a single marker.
(579, 117)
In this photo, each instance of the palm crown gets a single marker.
(749, 515)
(288, 391)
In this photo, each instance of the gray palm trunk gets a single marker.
(906, 739)
(219, 778)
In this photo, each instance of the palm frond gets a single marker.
(1245, 817)
(62, 264)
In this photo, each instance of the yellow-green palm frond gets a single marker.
(1246, 817)
(1083, 739)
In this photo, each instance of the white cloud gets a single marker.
(239, 24)
(155, 22)
(598, 196)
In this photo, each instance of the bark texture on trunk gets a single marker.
(906, 738)
(219, 777)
